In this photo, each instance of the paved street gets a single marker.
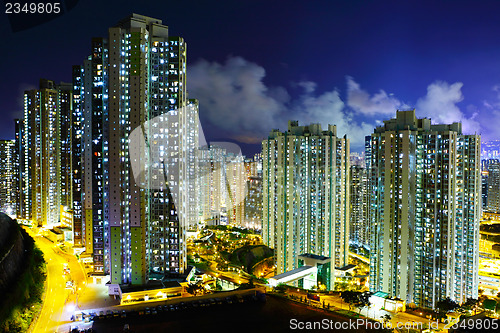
(400, 317)
(56, 307)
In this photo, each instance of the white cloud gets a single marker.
(361, 101)
(308, 86)
(234, 98)
(440, 104)
(328, 108)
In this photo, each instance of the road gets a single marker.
(59, 303)
(400, 317)
(360, 257)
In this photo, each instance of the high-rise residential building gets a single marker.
(139, 135)
(253, 199)
(493, 183)
(236, 189)
(212, 184)
(253, 203)
(359, 230)
(368, 152)
(8, 180)
(253, 166)
(19, 153)
(484, 184)
(76, 160)
(306, 198)
(90, 160)
(222, 185)
(425, 208)
(47, 150)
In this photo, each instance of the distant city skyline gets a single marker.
(352, 64)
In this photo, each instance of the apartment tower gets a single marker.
(305, 177)
(425, 205)
(139, 135)
(46, 150)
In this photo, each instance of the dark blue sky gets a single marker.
(256, 64)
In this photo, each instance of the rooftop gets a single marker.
(314, 256)
(381, 294)
(290, 273)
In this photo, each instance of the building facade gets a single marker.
(212, 184)
(90, 156)
(236, 189)
(46, 150)
(19, 152)
(139, 135)
(484, 184)
(359, 230)
(76, 159)
(305, 178)
(8, 177)
(425, 206)
(222, 183)
(493, 185)
(253, 198)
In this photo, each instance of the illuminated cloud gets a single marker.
(440, 104)
(235, 100)
(328, 108)
(233, 97)
(361, 101)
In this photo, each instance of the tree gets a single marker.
(470, 304)
(363, 301)
(356, 299)
(195, 288)
(350, 297)
(446, 305)
(341, 286)
(280, 288)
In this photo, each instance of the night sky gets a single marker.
(256, 64)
